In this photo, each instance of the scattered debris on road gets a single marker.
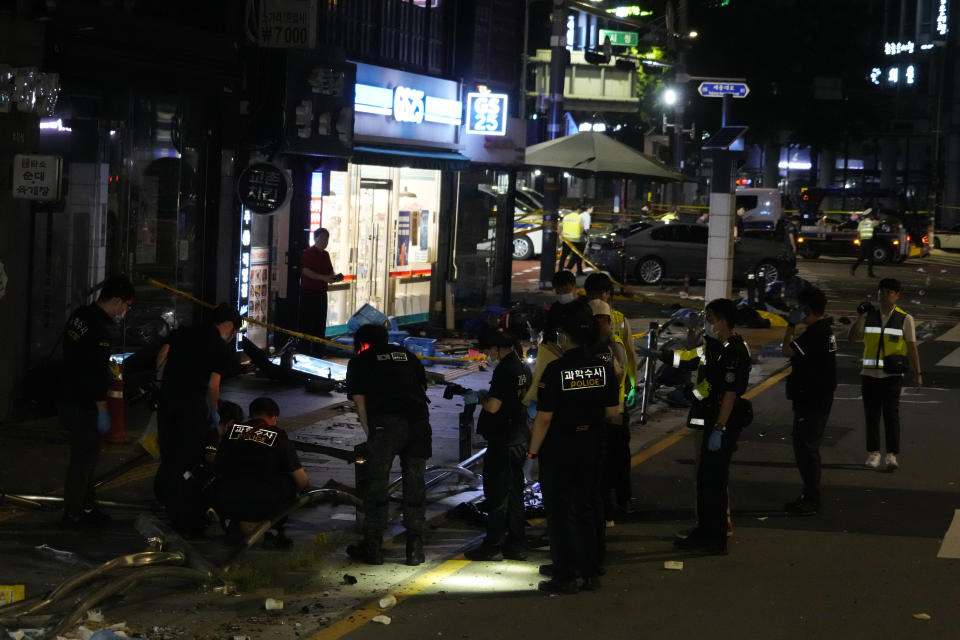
(382, 619)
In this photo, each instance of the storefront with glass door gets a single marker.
(383, 211)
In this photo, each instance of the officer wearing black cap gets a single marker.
(190, 367)
(503, 424)
(578, 393)
(86, 362)
(722, 364)
(388, 385)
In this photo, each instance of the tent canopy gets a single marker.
(598, 153)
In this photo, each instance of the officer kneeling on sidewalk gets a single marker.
(503, 424)
(388, 385)
(258, 474)
(722, 364)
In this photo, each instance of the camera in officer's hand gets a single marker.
(864, 307)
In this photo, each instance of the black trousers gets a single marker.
(313, 316)
(881, 397)
(713, 478)
(81, 424)
(570, 479)
(182, 430)
(616, 468)
(392, 436)
(809, 420)
(575, 260)
(503, 483)
(252, 498)
(866, 253)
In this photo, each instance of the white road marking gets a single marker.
(950, 547)
(951, 360)
(953, 335)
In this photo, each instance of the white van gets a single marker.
(763, 208)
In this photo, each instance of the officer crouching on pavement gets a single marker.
(722, 364)
(503, 424)
(578, 394)
(810, 386)
(258, 474)
(388, 385)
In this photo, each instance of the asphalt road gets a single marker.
(861, 568)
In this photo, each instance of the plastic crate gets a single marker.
(397, 337)
(421, 346)
(366, 314)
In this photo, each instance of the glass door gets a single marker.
(373, 232)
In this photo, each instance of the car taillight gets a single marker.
(616, 244)
(908, 238)
(925, 240)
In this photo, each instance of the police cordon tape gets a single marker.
(290, 332)
(633, 295)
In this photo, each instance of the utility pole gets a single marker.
(682, 28)
(551, 191)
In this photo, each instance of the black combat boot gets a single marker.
(415, 551)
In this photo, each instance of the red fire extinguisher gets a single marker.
(117, 433)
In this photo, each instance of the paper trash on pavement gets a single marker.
(922, 616)
(272, 604)
(673, 565)
(381, 619)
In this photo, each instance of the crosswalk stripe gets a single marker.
(951, 360)
(953, 335)
(950, 547)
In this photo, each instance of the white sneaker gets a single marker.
(873, 460)
(891, 461)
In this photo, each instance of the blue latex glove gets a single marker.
(532, 409)
(103, 422)
(716, 439)
(471, 397)
(796, 316)
(647, 352)
(213, 420)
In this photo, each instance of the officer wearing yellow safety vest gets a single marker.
(865, 231)
(889, 342)
(722, 364)
(573, 229)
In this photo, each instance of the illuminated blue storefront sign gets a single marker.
(390, 103)
(487, 113)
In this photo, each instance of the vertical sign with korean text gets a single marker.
(36, 177)
(288, 24)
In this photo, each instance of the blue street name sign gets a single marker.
(720, 89)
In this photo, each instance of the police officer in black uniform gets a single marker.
(503, 424)
(258, 474)
(810, 385)
(388, 385)
(86, 361)
(578, 393)
(190, 367)
(722, 363)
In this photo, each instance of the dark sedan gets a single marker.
(652, 252)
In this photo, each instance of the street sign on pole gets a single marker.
(720, 89)
(618, 38)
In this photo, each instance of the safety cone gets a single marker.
(117, 433)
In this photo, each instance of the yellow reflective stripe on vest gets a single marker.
(572, 229)
(865, 229)
(697, 421)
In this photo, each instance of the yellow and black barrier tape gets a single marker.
(291, 332)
